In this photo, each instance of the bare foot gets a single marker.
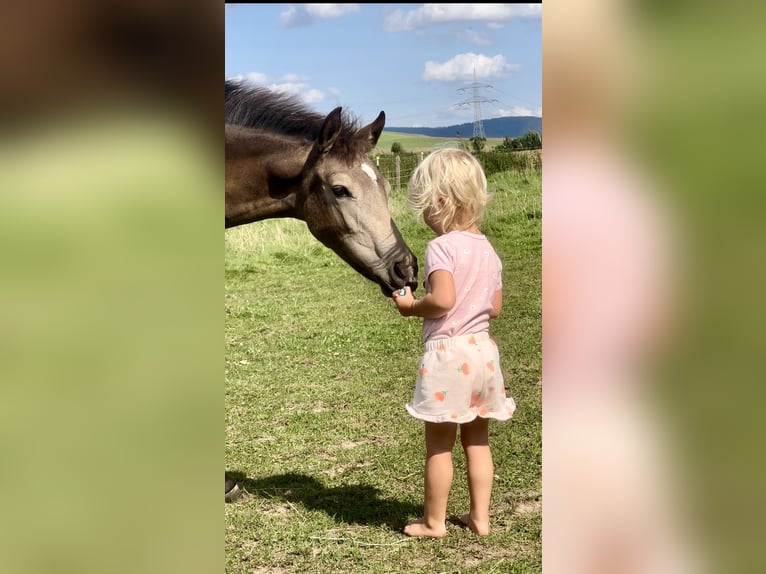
(419, 528)
(480, 528)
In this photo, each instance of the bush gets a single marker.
(530, 140)
(477, 144)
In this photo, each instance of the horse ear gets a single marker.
(373, 130)
(330, 130)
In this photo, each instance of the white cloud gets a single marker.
(250, 78)
(429, 15)
(257, 78)
(294, 84)
(470, 35)
(515, 111)
(288, 87)
(303, 90)
(331, 10)
(307, 14)
(312, 96)
(467, 66)
(520, 111)
(294, 17)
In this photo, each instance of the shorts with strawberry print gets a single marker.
(460, 379)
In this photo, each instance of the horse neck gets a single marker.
(263, 176)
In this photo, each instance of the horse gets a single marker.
(286, 160)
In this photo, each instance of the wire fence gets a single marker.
(398, 168)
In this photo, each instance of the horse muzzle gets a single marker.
(405, 273)
(408, 272)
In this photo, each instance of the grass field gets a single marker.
(318, 368)
(414, 142)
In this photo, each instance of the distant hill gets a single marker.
(509, 127)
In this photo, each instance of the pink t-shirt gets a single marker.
(477, 272)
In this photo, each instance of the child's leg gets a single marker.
(474, 437)
(440, 439)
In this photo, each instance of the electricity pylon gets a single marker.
(476, 101)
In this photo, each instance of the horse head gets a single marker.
(345, 204)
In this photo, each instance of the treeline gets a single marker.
(530, 140)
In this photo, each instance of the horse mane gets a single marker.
(265, 109)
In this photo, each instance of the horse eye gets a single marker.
(341, 191)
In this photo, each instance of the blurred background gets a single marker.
(111, 213)
(652, 264)
(112, 266)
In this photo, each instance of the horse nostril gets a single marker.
(404, 270)
(407, 271)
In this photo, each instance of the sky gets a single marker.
(424, 65)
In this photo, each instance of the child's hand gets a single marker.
(404, 299)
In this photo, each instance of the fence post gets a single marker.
(398, 172)
(421, 157)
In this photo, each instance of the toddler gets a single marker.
(459, 382)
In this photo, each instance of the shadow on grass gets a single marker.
(353, 504)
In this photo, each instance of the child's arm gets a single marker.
(497, 304)
(434, 304)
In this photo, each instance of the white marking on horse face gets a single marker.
(367, 168)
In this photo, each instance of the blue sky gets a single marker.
(416, 62)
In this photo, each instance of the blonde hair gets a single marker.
(449, 182)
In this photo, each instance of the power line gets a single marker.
(476, 101)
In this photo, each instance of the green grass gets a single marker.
(415, 142)
(318, 368)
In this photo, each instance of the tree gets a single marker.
(396, 147)
(510, 144)
(531, 140)
(478, 143)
